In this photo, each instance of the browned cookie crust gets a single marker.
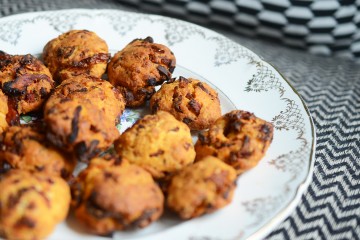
(159, 143)
(190, 101)
(238, 138)
(76, 52)
(82, 114)
(201, 188)
(25, 80)
(139, 67)
(31, 204)
(4, 109)
(27, 149)
(113, 196)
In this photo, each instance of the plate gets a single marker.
(266, 194)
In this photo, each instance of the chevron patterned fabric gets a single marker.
(330, 208)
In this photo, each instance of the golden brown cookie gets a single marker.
(201, 188)
(81, 115)
(238, 138)
(139, 67)
(25, 80)
(76, 52)
(115, 195)
(159, 143)
(26, 148)
(4, 109)
(31, 204)
(190, 101)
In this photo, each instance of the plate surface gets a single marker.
(266, 194)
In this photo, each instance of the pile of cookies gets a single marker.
(155, 163)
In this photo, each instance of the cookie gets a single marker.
(31, 204)
(3, 112)
(81, 115)
(139, 67)
(25, 81)
(113, 195)
(26, 148)
(238, 138)
(190, 101)
(76, 52)
(203, 187)
(159, 143)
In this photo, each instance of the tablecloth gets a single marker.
(330, 208)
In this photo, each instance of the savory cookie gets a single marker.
(26, 148)
(190, 101)
(25, 80)
(201, 188)
(113, 195)
(31, 204)
(159, 143)
(76, 52)
(238, 138)
(4, 109)
(139, 67)
(81, 115)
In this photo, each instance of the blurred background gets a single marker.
(315, 44)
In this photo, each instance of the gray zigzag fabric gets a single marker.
(330, 209)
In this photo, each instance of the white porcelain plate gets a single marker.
(266, 194)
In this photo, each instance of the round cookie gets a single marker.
(76, 52)
(238, 138)
(190, 101)
(81, 115)
(25, 80)
(31, 204)
(4, 109)
(139, 67)
(201, 188)
(27, 149)
(159, 143)
(114, 196)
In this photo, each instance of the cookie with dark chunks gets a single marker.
(4, 109)
(76, 52)
(26, 148)
(31, 204)
(113, 195)
(203, 187)
(82, 114)
(238, 138)
(25, 81)
(190, 101)
(139, 67)
(159, 143)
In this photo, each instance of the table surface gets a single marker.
(330, 208)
